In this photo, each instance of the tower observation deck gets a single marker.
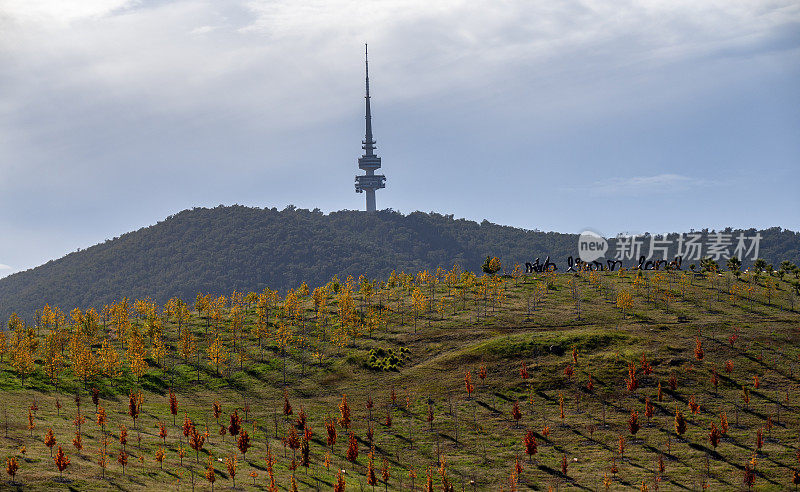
(369, 162)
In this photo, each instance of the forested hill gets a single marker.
(225, 248)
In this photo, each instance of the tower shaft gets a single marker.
(370, 200)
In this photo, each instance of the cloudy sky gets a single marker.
(625, 116)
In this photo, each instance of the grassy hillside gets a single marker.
(407, 345)
(226, 248)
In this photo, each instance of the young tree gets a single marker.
(23, 342)
(77, 441)
(530, 444)
(222, 431)
(196, 442)
(714, 380)
(122, 459)
(352, 449)
(162, 432)
(31, 422)
(305, 452)
(372, 479)
(693, 405)
(647, 368)
(339, 486)
(523, 371)
(243, 443)
(698, 349)
(428, 481)
(714, 436)
(217, 354)
(633, 422)
(123, 436)
(62, 462)
(173, 405)
(210, 476)
(95, 398)
(3, 345)
(230, 464)
(287, 407)
(12, 465)
(50, 440)
(344, 413)
(624, 301)
(516, 414)
(160, 457)
(235, 424)
(680, 422)
(446, 485)
(330, 428)
(133, 406)
(749, 476)
(369, 405)
(216, 410)
(631, 383)
(649, 409)
(418, 303)
(293, 441)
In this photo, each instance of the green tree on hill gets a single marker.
(708, 265)
(734, 264)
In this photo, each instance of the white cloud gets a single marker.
(659, 181)
(60, 12)
(258, 55)
(4, 267)
(640, 185)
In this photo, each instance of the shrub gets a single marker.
(381, 359)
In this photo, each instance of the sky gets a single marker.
(629, 116)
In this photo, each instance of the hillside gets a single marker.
(225, 248)
(664, 380)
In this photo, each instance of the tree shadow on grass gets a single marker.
(557, 474)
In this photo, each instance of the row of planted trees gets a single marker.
(227, 331)
(110, 441)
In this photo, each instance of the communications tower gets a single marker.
(369, 162)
